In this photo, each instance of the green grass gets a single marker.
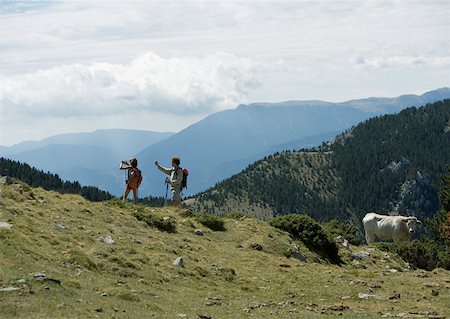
(222, 277)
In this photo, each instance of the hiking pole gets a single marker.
(167, 189)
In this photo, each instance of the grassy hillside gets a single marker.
(223, 277)
(390, 163)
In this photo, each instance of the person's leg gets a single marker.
(176, 198)
(127, 191)
(135, 195)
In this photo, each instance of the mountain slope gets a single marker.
(54, 264)
(390, 163)
(226, 142)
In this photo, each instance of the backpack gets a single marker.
(134, 177)
(185, 176)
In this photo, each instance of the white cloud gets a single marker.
(73, 61)
(181, 85)
(401, 61)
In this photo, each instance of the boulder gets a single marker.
(9, 289)
(256, 246)
(198, 232)
(179, 262)
(298, 254)
(369, 296)
(360, 255)
(5, 225)
(107, 240)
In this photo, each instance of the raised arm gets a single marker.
(163, 169)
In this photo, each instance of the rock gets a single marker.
(100, 309)
(62, 226)
(42, 201)
(256, 246)
(213, 301)
(205, 316)
(360, 255)
(43, 277)
(107, 240)
(198, 232)
(338, 307)
(345, 243)
(298, 254)
(285, 266)
(341, 240)
(430, 284)
(9, 289)
(392, 270)
(182, 315)
(395, 296)
(358, 282)
(136, 241)
(5, 225)
(179, 262)
(434, 293)
(374, 284)
(422, 275)
(369, 296)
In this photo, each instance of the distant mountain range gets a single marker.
(90, 158)
(226, 142)
(212, 149)
(390, 164)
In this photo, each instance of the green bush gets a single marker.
(213, 222)
(424, 254)
(350, 232)
(310, 233)
(168, 224)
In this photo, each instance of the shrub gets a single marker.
(424, 254)
(350, 232)
(163, 224)
(213, 222)
(310, 233)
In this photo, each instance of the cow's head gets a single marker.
(412, 223)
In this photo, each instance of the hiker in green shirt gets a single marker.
(175, 179)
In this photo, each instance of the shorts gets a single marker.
(129, 188)
(176, 196)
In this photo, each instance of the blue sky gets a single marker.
(70, 66)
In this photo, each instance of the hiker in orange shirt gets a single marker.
(134, 178)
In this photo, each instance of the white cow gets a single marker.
(384, 227)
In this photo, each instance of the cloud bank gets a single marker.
(182, 85)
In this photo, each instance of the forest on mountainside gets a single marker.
(389, 164)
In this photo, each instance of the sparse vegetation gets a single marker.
(134, 277)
